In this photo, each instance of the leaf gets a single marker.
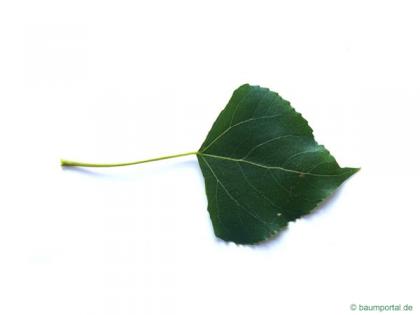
(263, 167)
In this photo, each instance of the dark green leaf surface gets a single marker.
(263, 168)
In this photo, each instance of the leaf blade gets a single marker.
(263, 167)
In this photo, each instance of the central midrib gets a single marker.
(259, 165)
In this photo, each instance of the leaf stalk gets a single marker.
(69, 163)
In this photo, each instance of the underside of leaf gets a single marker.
(263, 167)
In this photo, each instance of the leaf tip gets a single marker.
(355, 169)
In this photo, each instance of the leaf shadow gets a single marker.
(321, 209)
(82, 171)
(324, 206)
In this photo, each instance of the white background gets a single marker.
(110, 81)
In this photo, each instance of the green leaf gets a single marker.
(263, 167)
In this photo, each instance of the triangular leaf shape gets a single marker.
(263, 167)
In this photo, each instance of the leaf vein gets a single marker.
(234, 199)
(235, 125)
(300, 153)
(237, 106)
(265, 142)
(257, 190)
(266, 166)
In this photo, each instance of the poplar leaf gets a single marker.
(263, 167)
